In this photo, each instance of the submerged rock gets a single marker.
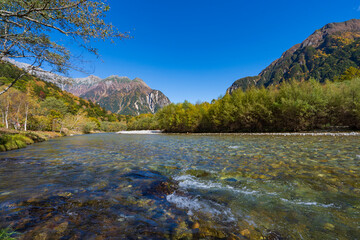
(230, 179)
(183, 232)
(329, 226)
(60, 229)
(151, 183)
(198, 173)
(211, 233)
(41, 236)
(273, 235)
(196, 225)
(245, 233)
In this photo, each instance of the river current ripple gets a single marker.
(169, 186)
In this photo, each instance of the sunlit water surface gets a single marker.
(111, 186)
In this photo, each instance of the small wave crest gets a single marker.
(234, 147)
(308, 203)
(189, 182)
(201, 207)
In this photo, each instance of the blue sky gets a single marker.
(194, 50)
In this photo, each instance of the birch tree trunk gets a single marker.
(18, 118)
(26, 116)
(2, 116)
(6, 115)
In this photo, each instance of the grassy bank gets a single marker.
(12, 139)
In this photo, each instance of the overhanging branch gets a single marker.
(11, 84)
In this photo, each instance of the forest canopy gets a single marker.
(292, 106)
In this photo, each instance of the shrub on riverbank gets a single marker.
(291, 106)
(11, 139)
(10, 142)
(112, 126)
(143, 122)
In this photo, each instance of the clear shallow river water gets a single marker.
(110, 186)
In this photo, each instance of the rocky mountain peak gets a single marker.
(121, 94)
(315, 39)
(117, 78)
(140, 81)
(87, 80)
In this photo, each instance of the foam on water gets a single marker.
(234, 147)
(184, 202)
(189, 182)
(308, 203)
(5, 193)
(193, 204)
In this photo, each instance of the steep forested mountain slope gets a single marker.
(325, 54)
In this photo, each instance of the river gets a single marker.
(112, 186)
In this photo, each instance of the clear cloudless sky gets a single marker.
(195, 49)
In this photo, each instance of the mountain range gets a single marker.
(116, 94)
(37, 91)
(324, 55)
(119, 94)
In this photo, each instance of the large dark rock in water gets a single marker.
(151, 183)
(274, 235)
